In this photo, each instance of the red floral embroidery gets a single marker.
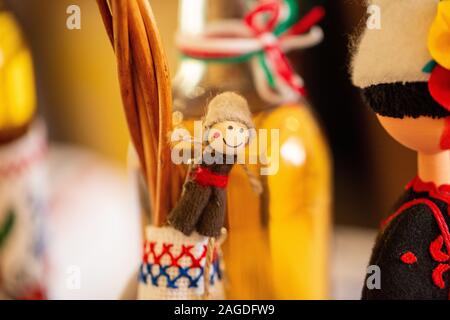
(436, 250)
(438, 272)
(442, 193)
(408, 258)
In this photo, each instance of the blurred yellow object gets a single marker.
(17, 91)
(438, 43)
(284, 254)
(299, 206)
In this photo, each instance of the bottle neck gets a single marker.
(237, 73)
(194, 20)
(226, 9)
(221, 10)
(196, 81)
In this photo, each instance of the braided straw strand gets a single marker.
(146, 95)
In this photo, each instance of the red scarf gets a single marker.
(206, 178)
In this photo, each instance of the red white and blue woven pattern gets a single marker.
(173, 266)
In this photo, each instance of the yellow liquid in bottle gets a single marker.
(277, 244)
(17, 91)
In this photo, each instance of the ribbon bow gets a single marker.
(264, 35)
(272, 44)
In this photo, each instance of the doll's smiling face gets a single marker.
(228, 137)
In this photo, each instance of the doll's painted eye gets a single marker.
(241, 130)
(230, 127)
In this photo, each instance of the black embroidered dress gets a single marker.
(413, 247)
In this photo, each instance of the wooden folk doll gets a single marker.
(229, 128)
(403, 69)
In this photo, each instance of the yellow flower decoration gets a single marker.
(439, 36)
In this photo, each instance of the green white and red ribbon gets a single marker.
(263, 37)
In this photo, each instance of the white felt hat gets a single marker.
(397, 52)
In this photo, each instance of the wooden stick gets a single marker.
(179, 175)
(127, 93)
(107, 19)
(143, 63)
(150, 178)
(147, 90)
(207, 269)
(146, 94)
(163, 201)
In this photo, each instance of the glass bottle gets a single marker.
(22, 169)
(277, 244)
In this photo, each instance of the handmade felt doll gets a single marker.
(229, 128)
(403, 69)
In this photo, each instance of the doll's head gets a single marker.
(396, 67)
(228, 123)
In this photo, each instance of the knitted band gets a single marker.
(173, 266)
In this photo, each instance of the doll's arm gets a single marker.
(181, 140)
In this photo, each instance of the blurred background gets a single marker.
(78, 95)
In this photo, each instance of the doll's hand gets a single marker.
(181, 139)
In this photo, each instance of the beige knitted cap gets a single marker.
(228, 106)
